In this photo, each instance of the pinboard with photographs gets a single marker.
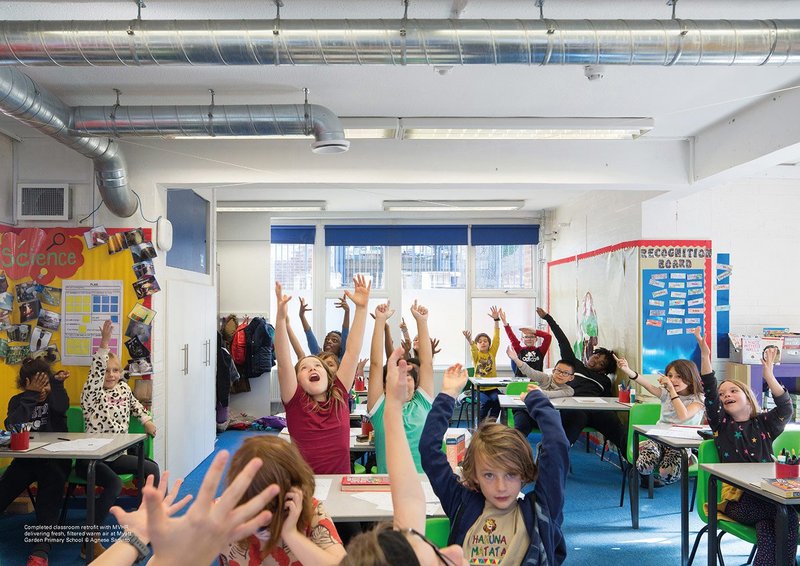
(58, 285)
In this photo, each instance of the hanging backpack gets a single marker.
(260, 349)
(228, 329)
(239, 344)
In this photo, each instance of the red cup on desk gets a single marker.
(21, 440)
(359, 384)
(787, 470)
(366, 426)
(624, 396)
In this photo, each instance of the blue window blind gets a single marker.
(293, 234)
(379, 235)
(505, 234)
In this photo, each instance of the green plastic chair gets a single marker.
(515, 389)
(75, 424)
(641, 414)
(466, 401)
(437, 530)
(707, 454)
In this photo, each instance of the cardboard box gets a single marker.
(455, 448)
(748, 349)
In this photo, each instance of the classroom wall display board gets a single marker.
(634, 297)
(58, 285)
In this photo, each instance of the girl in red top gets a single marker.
(317, 400)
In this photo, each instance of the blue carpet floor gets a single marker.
(597, 530)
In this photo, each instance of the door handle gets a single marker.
(185, 359)
(208, 352)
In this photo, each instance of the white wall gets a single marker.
(6, 178)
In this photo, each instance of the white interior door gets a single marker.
(190, 391)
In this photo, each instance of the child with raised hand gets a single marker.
(43, 404)
(744, 434)
(402, 542)
(335, 341)
(484, 354)
(315, 398)
(681, 396)
(529, 353)
(300, 532)
(419, 396)
(487, 518)
(108, 403)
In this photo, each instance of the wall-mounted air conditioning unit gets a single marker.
(43, 201)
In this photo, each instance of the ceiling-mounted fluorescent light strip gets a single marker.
(272, 206)
(525, 128)
(451, 205)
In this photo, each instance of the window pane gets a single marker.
(347, 261)
(504, 267)
(292, 265)
(445, 322)
(434, 267)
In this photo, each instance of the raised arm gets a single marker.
(287, 378)
(296, 346)
(714, 410)
(313, 345)
(783, 409)
(705, 351)
(360, 298)
(565, 348)
(92, 392)
(375, 388)
(546, 339)
(767, 364)
(342, 304)
(510, 333)
(425, 348)
(622, 365)
(535, 375)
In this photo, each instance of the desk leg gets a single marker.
(140, 469)
(684, 507)
(781, 532)
(633, 484)
(712, 520)
(476, 406)
(90, 481)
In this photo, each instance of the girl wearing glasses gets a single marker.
(487, 519)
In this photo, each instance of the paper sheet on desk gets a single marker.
(590, 400)
(322, 488)
(82, 445)
(383, 501)
(675, 432)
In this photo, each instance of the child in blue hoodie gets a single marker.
(485, 514)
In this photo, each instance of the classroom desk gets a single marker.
(343, 506)
(119, 443)
(477, 382)
(747, 476)
(633, 483)
(571, 403)
(355, 446)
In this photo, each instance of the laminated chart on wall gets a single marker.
(85, 306)
(674, 300)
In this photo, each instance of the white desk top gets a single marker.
(354, 506)
(570, 403)
(690, 440)
(359, 411)
(748, 476)
(119, 442)
(486, 381)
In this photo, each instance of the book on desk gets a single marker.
(785, 487)
(366, 482)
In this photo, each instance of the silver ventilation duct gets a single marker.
(34, 106)
(401, 42)
(233, 120)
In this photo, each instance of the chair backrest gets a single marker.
(471, 372)
(437, 530)
(641, 414)
(137, 427)
(788, 439)
(75, 419)
(706, 454)
(515, 388)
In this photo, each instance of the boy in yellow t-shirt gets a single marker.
(484, 353)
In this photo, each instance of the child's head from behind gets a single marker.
(333, 342)
(282, 465)
(737, 400)
(483, 342)
(384, 546)
(315, 378)
(113, 371)
(498, 463)
(30, 367)
(684, 377)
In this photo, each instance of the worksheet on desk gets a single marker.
(82, 445)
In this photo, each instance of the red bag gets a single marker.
(239, 344)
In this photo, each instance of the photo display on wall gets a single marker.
(675, 299)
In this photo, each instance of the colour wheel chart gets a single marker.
(85, 306)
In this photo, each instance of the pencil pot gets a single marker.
(20, 440)
(624, 395)
(366, 425)
(784, 470)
